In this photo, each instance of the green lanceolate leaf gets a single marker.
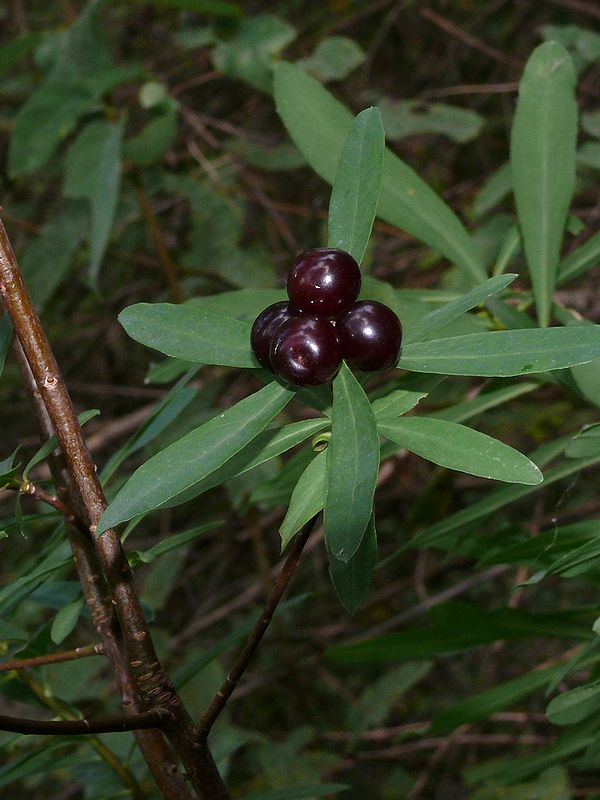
(190, 333)
(265, 446)
(355, 192)
(436, 320)
(65, 621)
(308, 498)
(319, 124)
(404, 394)
(351, 579)
(457, 627)
(586, 444)
(504, 353)
(507, 494)
(352, 466)
(93, 171)
(46, 259)
(574, 706)
(82, 73)
(196, 455)
(543, 163)
(483, 402)
(458, 447)
(493, 191)
(580, 260)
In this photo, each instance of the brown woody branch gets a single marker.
(52, 658)
(157, 718)
(150, 682)
(247, 653)
(151, 742)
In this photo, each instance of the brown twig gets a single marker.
(469, 39)
(52, 658)
(151, 683)
(157, 718)
(167, 264)
(278, 590)
(87, 563)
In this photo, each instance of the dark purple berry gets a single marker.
(370, 336)
(306, 351)
(264, 329)
(324, 281)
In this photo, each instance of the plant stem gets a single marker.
(152, 685)
(151, 742)
(77, 727)
(167, 264)
(52, 658)
(278, 590)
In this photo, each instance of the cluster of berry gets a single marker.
(303, 341)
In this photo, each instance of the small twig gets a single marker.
(156, 718)
(279, 587)
(52, 658)
(469, 39)
(167, 264)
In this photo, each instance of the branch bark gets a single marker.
(157, 718)
(141, 672)
(52, 658)
(247, 653)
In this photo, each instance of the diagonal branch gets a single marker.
(247, 653)
(149, 679)
(52, 658)
(157, 718)
(151, 742)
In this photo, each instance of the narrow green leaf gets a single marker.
(587, 380)
(586, 444)
(319, 124)
(511, 245)
(501, 697)
(65, 621)
(496, 188)
(11, 633)
(543, 142)
(352, 466)
(52, 443)
(458, 447)
(357, 184)
(402, 118)
(195, 456)
(580, 260)
(504, 353)
(483, 402)
(574, 706)
(173, 542)
(308, 498)
(190, 333)
(351, 579)
(333, 58)
(404, 394)
(166, 412)
(46, 258)
(436, 320)
(458, 627)
(501, 497)
(263, 448)
(6, 331)
(93, 171)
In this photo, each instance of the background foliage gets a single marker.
(146, 160)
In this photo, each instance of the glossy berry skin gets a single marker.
(306, 351)
(370, 336)
(324, 281)
(265, 326)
